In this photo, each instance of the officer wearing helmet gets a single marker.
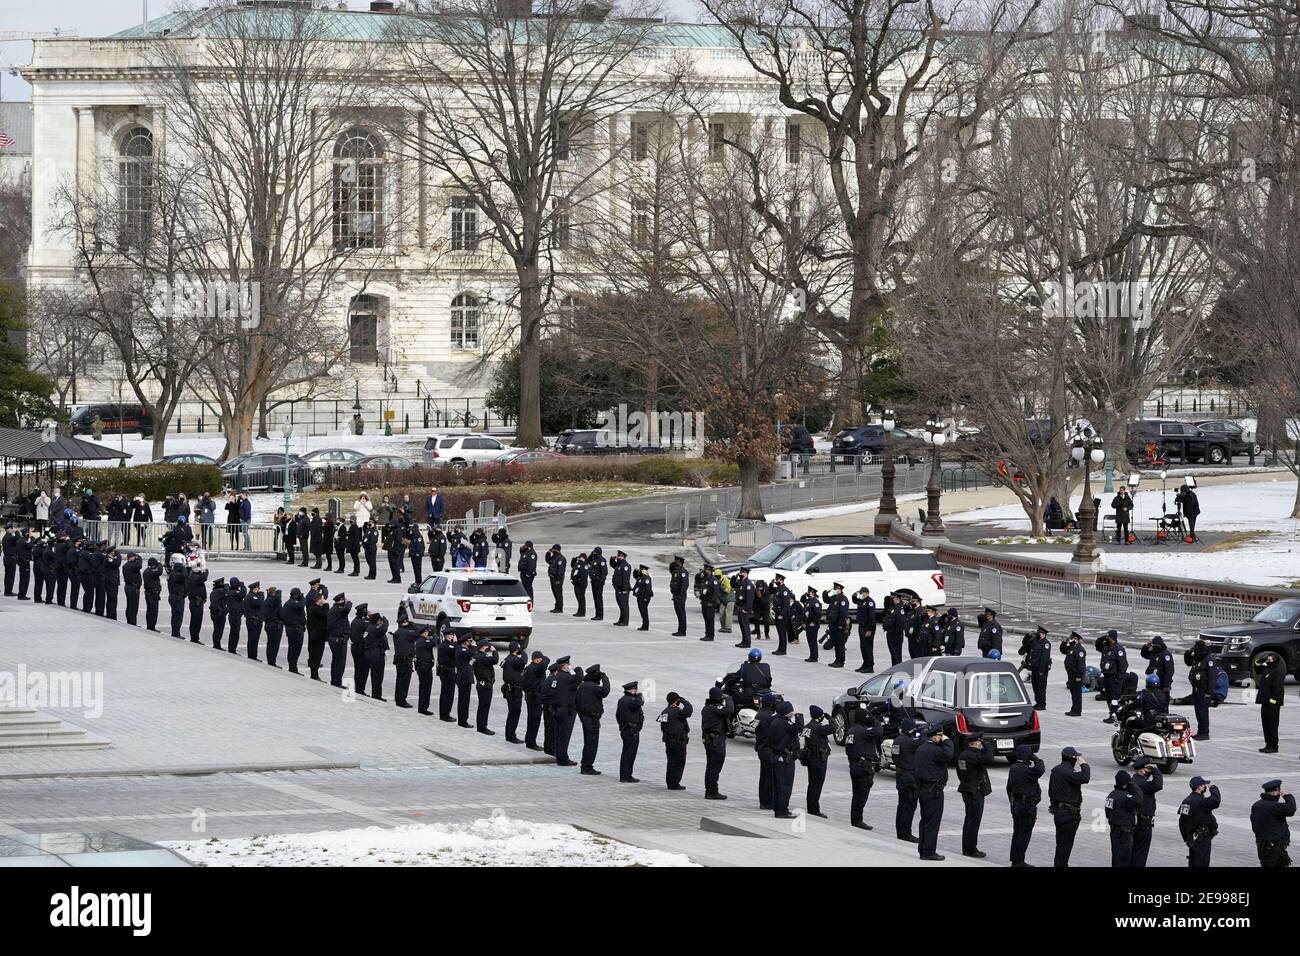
(753, 675)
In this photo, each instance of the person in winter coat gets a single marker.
(362, 509)
(590, 702)
(1271, 677)
(294, 616)
(272, 622)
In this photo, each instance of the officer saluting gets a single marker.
(563, 685)
(590, 702)
(837, 621)
(597, 571)
(630, 718)
(675, 725)
(1122, 806)
(862, 747)
(1024, 793)
(1065, 801)
(1076, 664)
(931, 768)
(973, 785)
(715, 722)
(679, 583)
(1038, 661)
(531, 681)
(512, 689)
(578, 578)
(555, 566)
(1268, 821)
(1196, 822)
(622, 582)
(527, 561)
(404, 639)
(1114, 665)
(643, 591)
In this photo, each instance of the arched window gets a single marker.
(464, 322)
(135, 185)
(358, 190)
(363, 330)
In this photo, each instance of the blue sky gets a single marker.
(102, 17)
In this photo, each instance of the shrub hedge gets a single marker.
(155, 482)
(677, 472)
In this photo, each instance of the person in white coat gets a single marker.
(363, 509)
(42, 504)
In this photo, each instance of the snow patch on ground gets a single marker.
(834, 511)
(1241, 506)
(1270, 561)
(493, 841)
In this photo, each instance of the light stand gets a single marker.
(1087, 451)
(933, 522)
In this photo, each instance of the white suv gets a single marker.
(479, 603)
(461, 450)
(884, 568)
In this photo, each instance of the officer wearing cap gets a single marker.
(131, 582)
(762, 749)
(357, 646)
(512, 677)
(556, 564)
(1149, 781)
(990, 638)
(597, 572)
(404, 639)
(1114, 665)
(531, 682)
(1038, 661)
(931, 769)
(426, 652)
(376, 653)
(783, 741)
(485, 677)
(465, 654)
(973, 784)
(630, 718)
(709, 593)
(253, 602)
(10, 546)
(1196, 821)
(1076, 666)
(578, 578)
(621, 579)
(590, 703)
(1122, 806)
(837, 621)
(816, 755)
(1024, 794)
(715, 721)
(527, 567)
(337, 635)
(1065, 801)
(448, 648)
(862, 747)
(1268, 818)
(563, 685)
(781, 599)
(903, 753)
(152, 583)
(674, 724)
(679, 583)
(643, 590)
(235, 594)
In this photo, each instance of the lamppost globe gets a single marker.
(888, 422)
(939, 439)
(1097, 455)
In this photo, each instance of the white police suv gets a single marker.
(483, 604)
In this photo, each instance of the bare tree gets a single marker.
(63, 338)
(15, 227)
(512, 107)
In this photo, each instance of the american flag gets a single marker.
(5, 140)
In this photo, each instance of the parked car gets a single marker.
(962, 695)
(258, 471)
(185, 460)
(461, 450)
(884, 568)
(1168, 437)
(797, 440)
(769, 554)
(858, 440)
(116, 419)
(528, 456)
(1241, 441)
(599, 441)
(332, 456)
(478, 603)
(1275, 629)
(383, 462)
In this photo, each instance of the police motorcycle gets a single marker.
(744, 698)
(1167, 741)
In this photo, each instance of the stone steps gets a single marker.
(22, 728)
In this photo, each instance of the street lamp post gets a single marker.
(887, 513)
(288, 494)
(935, 436)
(1087, 451)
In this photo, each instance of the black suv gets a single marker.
(959, 694)
(116, 418)
(1276, 629)
(1235, 434)
(797, 440)
(858, 440)
(599, 441)
(1169, 437)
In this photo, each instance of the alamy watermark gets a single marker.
(40, 690)
(213, 300)
(621, 428)
(1128, 301)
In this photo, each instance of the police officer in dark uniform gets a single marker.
(294, 616)
(865, 617)
(337, 631)
(152, 579)
(438, 556)
(196, 594)
(112, 575)
(1122, 806)
(271, 608)
(253, 602)
(370, 547)
(862, 747)
(512, 689)
(485, 678)
(341, 533)
(527, 565)
(235, 594)
(590, 702)
(415, 550)
(715, 722)
(816, 755)
(953, 634)
(1268, 821)
(426, 651)
(1065, 801)
(990, 638)
(403, 660)
(643, 590)
(783, 734)
(356, 534)
(465, 654)
(39, 564)
(216, 610)
(892, 620)
(448, 651)
(10, 547)
(630, 718)
(1159, 662)
(973, 784)
(86, 572)
(674, 723)
(1148, 781)
(679, 583)
(812, 619)
(176, 576)
(837, 621)
(556, 564)
(931, 770)
(563, 685)
(709, 593)
(1270, 696)
(1038, 661)
(131, 582)
(531, 681)
(317, 612)
(578, 578)
(742, 591)
(24, 556)
(903, 753)
(621, 574)
(1196, 821)
(1076, 666)
(376, 653)
(1024, 793)
(356, 634)
(782, 600)
(62, 556)
(597, 572)
(762, 747)
(1114, 665)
